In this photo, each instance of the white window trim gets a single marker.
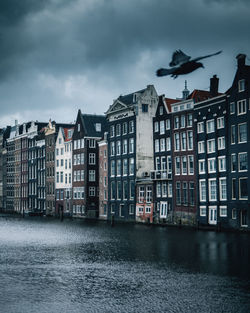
(209, 190)
(220, 141)
(221, 118)
(239, 133)
(220, 191)
(240, 90)
(240, 190)
(209, 132)
(203, 145)
(223, 207)
(200, 125)
(199, 162)
(222, 158)
(189, 173)
(239, 162)
(213, 151)
(200, 181)
(208, 170)
(238, 102)
(203, 207)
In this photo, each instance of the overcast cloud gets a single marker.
(58, 56)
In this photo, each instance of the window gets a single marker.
(131, 126)
(200, 127)
(170, 190)
(242, 107)
(233, 163)
(131, 145)
(162, 144)
(124, 128)
(141, 194)
(243, 161)
(125, 190)
(223, 211)
(119, 190)
(91, 175)
(191, 164)
(61, 174)
(131, 166)
(167, 124)
(234, 215)
(233, 134)
(177, 141)
(163, 163)
(222, 163)
(164, 189)
(183, 141)
(178, 193)
(211, 146)
(112, 149)
(168, 144)
(161, 110)
(177, 165)
(118, 130)
(158, 190)
(190, 120)
(112, 131)
(132, 189)
(220, 122)
(210, 126)
(113, 190)
(112, 168)
(232, 108)
(211, 165)
(176, 122)
(183, 124)
(158, 163)
(118, 168)
(203, 189)
(125, 146)
(243, 188)
(162, 127)
(57, 177)
(184, 165)
(157, 145)
(191, 193)
(78, 127)
(91, 158)
(131, 209)
(82, 175)
(212, 189)
(203, 211)
(125, 167)
(156, 126)
(144, 107)
(221, 143)
(91, 191)
(62, 151)
(241, 85)
(201, 147)
(201, 166)
(233, 188)
(118, 147)
(91, 143)
(223, 188)
(242, 133)
(185, 193)
(190, 140)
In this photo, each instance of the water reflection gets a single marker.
(48, 266)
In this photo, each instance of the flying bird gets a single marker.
(182, 64)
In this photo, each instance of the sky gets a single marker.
(58, 56)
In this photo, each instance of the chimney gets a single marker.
(241, 59)
(214, 86)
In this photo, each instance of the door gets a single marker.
(212, 219)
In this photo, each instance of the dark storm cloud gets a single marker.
(106, 41)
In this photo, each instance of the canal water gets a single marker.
(51, 266)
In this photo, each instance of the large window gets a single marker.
(91, 158)
(176, 122)
(223, 188)
(178, 193)
(222, 163)
(177, 141)
(162, 144)
(210, 126)
(242, 133)
(189, 120)
(232, 107)
(233, 188)
(183, 141)
(118, 130)
(233, 134)
(184, 165)
(243, 195)
(119, 190)
(201, 147)
(183, 124)
(177, 165)
(202, 167)
(242, 107)
(243, 161)
(212, 189)
(200, 127)
(131, 145)
(211, 146)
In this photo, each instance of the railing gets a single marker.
(161, 175)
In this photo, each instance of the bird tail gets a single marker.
(164, 72)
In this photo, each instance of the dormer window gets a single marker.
(241, 85)
(98, 127)
(78, 127)
(161, 110)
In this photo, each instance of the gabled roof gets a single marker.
(201, 95)
(89, 122)
(128, 99)
(170, 101)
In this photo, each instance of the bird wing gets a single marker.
(206, 56)
(179, 58)
(165, 71)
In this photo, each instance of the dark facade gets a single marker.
(238, 143)
(162, 174)
(89, 129)
(212, 160)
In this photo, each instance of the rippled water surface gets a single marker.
(48, 266)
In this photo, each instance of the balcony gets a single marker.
(161, 175)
